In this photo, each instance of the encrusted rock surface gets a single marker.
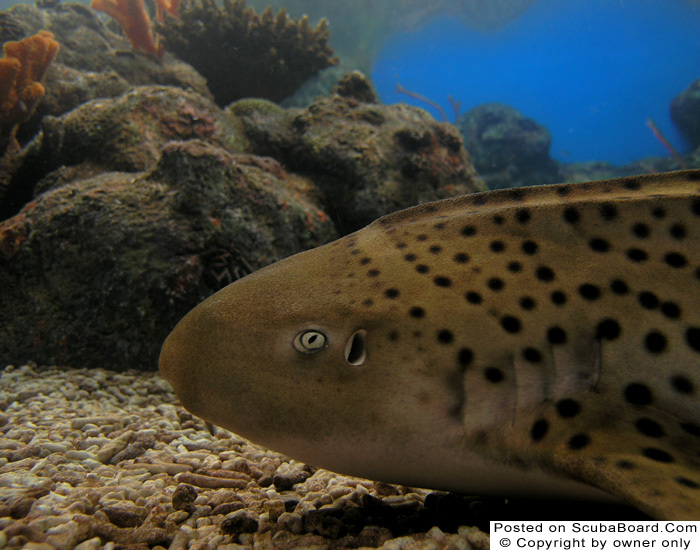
(685, 113)
(368, 159)
(97, 271)
(136, 208)
(93, 61)
(100, 460)
(508, 150)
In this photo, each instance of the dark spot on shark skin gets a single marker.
(638, 394)
(640, 230)
(511, 324)
(599, 245)
(608, 212)
(657, 454)
(655, 342)
(649, 427)
(568, 408)
(682, 384)
(496, 284)
(473, 298)
(539, 429)
(571, 215)
(637, 255)
(529, 247)
(558, 298)
(658, 212)
(522, 216)
(497, 246)
(544, 274)
(675, 260)
(678, 231)
(579, 441)
(619, 287)
(589, 292)
(687, 482)
(515, 267)
(417, 312)
(494, 375)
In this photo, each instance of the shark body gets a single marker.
(534, 341)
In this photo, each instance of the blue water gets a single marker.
(591, 71)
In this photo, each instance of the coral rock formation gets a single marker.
(243, 54)
(21, 71)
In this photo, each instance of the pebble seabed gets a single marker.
(94, 459)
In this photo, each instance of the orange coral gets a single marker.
(21, 71)
(134, 20)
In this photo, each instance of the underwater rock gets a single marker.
(507, 149)
(97, 271)
(121, 134)
(368, 159)
(243, 54)
(685, 113)
(104, 58)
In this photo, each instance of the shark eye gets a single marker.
(310, 341)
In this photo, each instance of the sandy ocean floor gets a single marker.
(96, 459)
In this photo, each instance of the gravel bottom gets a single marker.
(95, 459)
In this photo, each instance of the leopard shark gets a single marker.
(540, 341)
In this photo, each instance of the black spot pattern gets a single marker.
(365, 261)
(539, 429)
(474, 298)
(373, 273)
(649, 427)
(670, 310)
(443, 281)
(435, 249)
(608, 329)
(522, 215)
(556, 335)
(465, 357)
(640, 230)
(417, 312)
(515, 267)
(589, 291)
(468, 231)
(529, 247)
(599, 245)
(494, 375)
(625, 465)
(619, 287)
(444, 336)
(532, 355)
(422, 268)
(687, 482)
(527, 303)
(391, 293)
(678, 231)
(558, 298)
(690, 428)
(692, 338)
(638, 394)
(655, 342)
(674, 259)
(637, 255)
(410, 257)
(544, 274)
(657, 454)
(571, 215)
(579, 441)
(495, 284)
(461, 258)
(511, 324)
(682, 384)
(648, 300)
(608, 212)
(497, 246)
(568, 408)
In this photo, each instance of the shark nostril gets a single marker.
(355, 351)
